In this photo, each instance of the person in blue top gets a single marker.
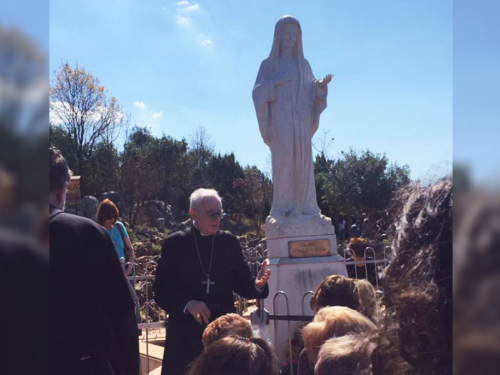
(107, 216)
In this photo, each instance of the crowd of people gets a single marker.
(408, 330)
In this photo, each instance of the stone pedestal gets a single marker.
(295, 277)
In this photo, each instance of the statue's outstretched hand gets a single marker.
(325, 81)
(263, 275)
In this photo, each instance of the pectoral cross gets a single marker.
(208, 282)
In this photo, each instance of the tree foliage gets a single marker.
(257, 190)
(358, 182)
(80, 105)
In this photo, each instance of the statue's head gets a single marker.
(287, 30)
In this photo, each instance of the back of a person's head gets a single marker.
(358, 245)
(336, 290)
(331, 322)
(344, 355)
(59, 172)
(232, 355)
(229, 324)
(416, 334)
(368, 304)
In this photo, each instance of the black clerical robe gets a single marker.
(92, 321)
(181, 277)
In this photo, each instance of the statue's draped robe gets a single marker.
(288, 117)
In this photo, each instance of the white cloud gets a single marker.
(205, 41)
(157, 114)
(192, 8)
(140, 105)
(182, 20)
(183, 10)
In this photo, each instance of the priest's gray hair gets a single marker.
(196, 198)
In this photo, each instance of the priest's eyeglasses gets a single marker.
(215, 215)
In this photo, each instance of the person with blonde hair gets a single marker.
(368, 304)
(344, 355)
(225, 325)
(332, 321)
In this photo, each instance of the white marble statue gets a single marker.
(289, 101)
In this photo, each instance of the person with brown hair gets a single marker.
(335, 290)
(107, 216)
(225, 325)
(361, 270)
(233, 355)
(415, 337)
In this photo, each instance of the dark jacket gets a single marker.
(92, 312)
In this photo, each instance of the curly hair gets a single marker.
(415, 336)
(226, 325)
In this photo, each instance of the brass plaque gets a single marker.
(73, 196)
(311, 248)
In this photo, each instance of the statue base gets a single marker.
(295, 226)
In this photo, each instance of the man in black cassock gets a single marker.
(197, 273)
(92, 322)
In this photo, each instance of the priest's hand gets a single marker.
(263, 276)
(199, 311)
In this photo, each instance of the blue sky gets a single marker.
(476, 82)
(176, 65)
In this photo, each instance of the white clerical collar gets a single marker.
(203, 234)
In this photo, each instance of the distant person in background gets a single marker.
(92, 324)
(107, 216)
(367, 228)
(341, 234)
(356, 229)
(361, 270)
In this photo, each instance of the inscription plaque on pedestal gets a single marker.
(311, 248)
